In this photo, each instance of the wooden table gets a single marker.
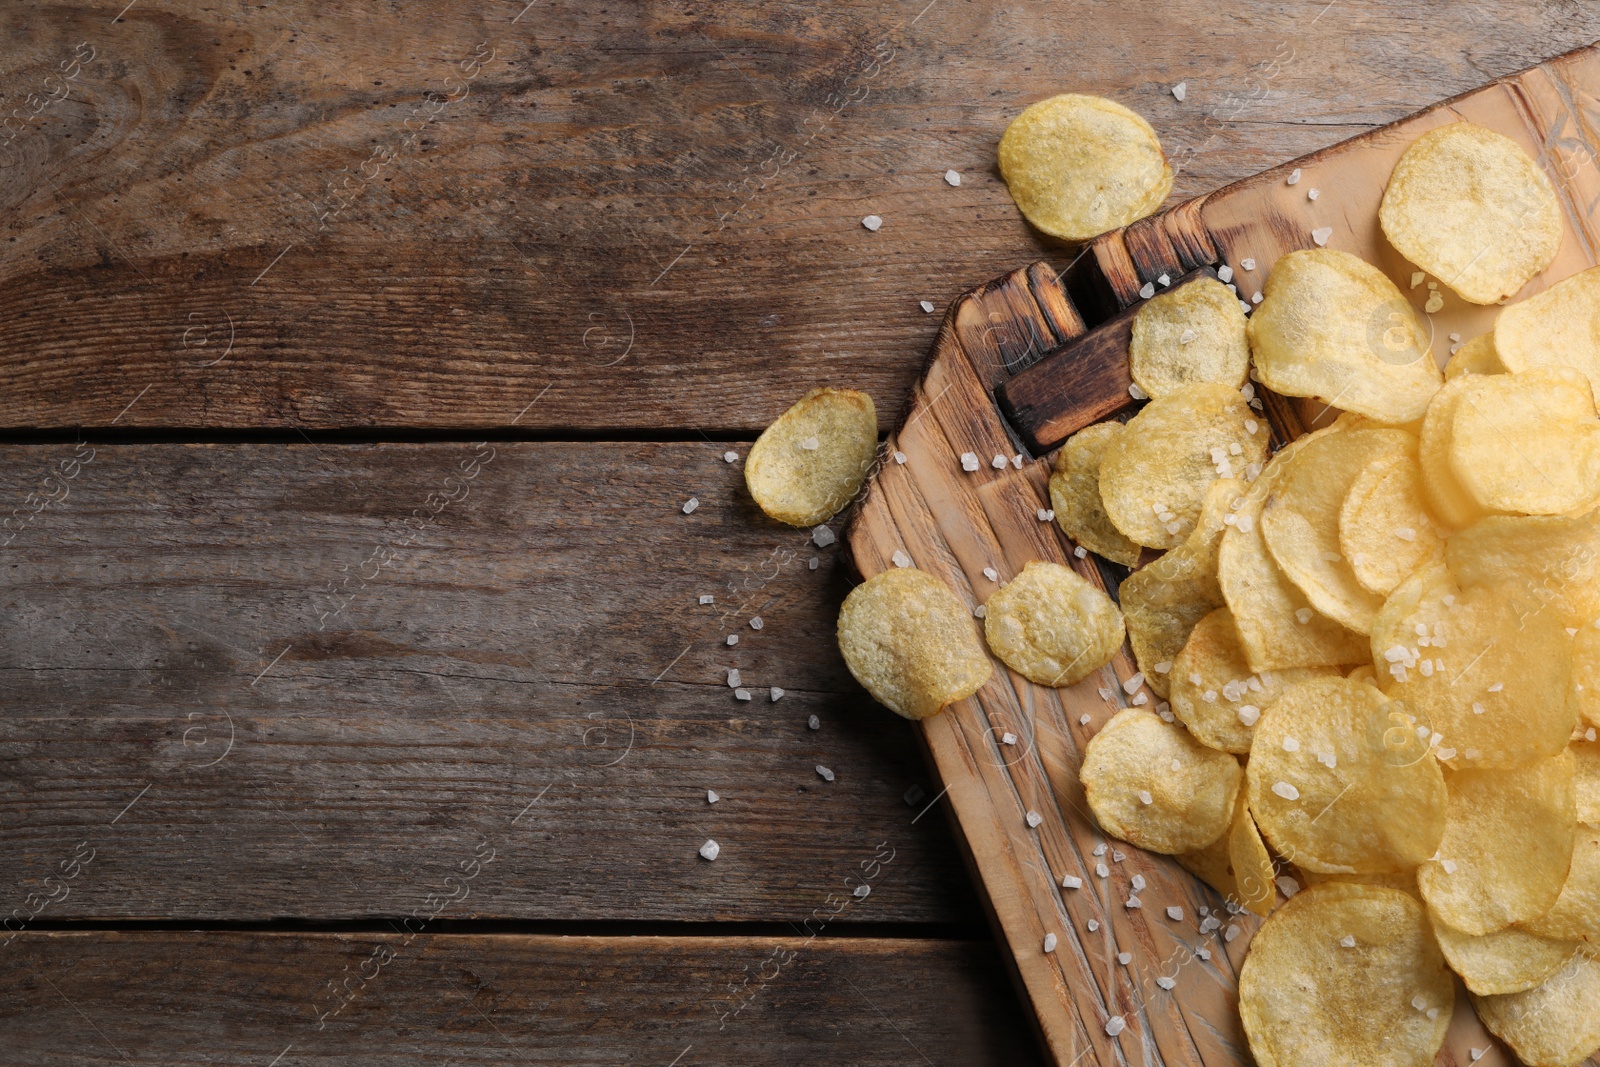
(357, 700)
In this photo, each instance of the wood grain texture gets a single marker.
(311, 214)
(217, 999)
(530, 663)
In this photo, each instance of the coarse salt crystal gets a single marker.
(822, 537)
(1049, 942)
(1093, 925)
(1312, 194)
(926, 305)
(1251, 426)
(707, 598)
(756, 623)
(1083, 720)
(733, 639)
(1034, 818)
(814, 723)
(1230, 933)
(1187, 335)
(811, 444)
(1133, 902)
(981, 611)
(1286, 790)
(1303, 616)
(711, 796)
(969, 461)
(1287, 886)
(1248, 714)
(690, 504)
(1347, 941)
(1224, 273)
(952, 177)
(1115, 1025)
(1180, 91)
(1124, 958)
(1242, 522)
(1134, 682)
(1165, 280)
(1071, 881)
(1102, 870)
(1100, 849)
(824, 773)
(998, 463)
(1008, 738)
(1139, 700)
(1080, 552)
(1016, 461)
(1137, 393)
(1145, 797)
(1321, 234)
(1147, 290)
(1291, 745)
(1045, 515)
(730, 457)
(1105, 694)
(741, 694)
(1418, 1003)
(900, 457)
(1209, 696)
(1478, 1054)
(710, 850)
(872, 222)
(1138, 883)
(991, 574)
(900, 559)
(1294, 176)
(733, 677)
(1210, 923)
(1166, 983)
(1247, 263)
(1164, 667)
(1255, 297)
(1496, 687)
(1448, 865)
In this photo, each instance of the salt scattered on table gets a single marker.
(1180, 91)
(710, 850)
(953, 177)
(872, 222)
(825, 774)
(822, 537)
(711, 796)
(690, 504)
(1049, 942)
(926, 305)
(777, 693)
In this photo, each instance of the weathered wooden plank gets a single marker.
(244, 998)
(265, 680)
(310, 214)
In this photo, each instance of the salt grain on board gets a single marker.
(733, 677)
(900, 457)
(711, 796)
(1166, 983)
(1175, 914)
(733, 639)
(777, 693)
(1115, 1025)
(1147, 290)
(1049, 942)
(900, 559)
(707, 598)
(926, 305)
(756, 623)
(1124, 958)
(1294, 176)
(690, 504)
(741, 694)
(1321, 234)
(991, 574)
(822, 537)
(952, 177)
(1034, 819)
(710, 850)
(1071, 881)
(814, 722)
(1225, 273)
(969, 461)
(872, 222)
(1180, 91)
(824, 773)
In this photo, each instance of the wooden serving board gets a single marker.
(1013, 336)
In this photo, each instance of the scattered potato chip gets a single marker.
(1078, 165)
(1554, 1024)
(1507, 846)
(1051, 626)
(1214, 692)
(1075, 495)
(1334, 327)
(1470, 207)
(1542, 561)
(1254, 876)
(1153, 476)
(1329, 795)
(1346, 974)
(1477, 356)
(911, 643)
(1161, 602)
(1385, 533)
(1559, 327)
(1527, 442)
(1444, 493)
(1506, 961)
(1300, 520)
(1491, 681)
(1586, 781)
(809, 463)
(1575, 916)
(1194, 333)
(1191, 788)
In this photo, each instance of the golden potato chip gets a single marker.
(1346, 974)
(1300, 520)
(1477, 356)
(1385, 533)
(1586, 780)
(1559, 327)
(1214, 692)
(1078, 166)
(1194, 333)
(1212, 865)
(1405, 881)
(1584, 696)
(1506, 961)
(1364, 673)
(1329, 795)
(809, 463)
(1075, 495)
(1154, 786)
(1335, 327)
(1162, 601)
(1544, 562)
(1490, 680)
(1051, 626)
(911, 643)
(1527, 442)
(1575, 916)
(1469, 206)
(1443, 492)
(1277, 626)
(1253, 874)
(1153, 476)
(1507, 846)
(1554, 1024)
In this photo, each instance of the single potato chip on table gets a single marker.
(1527, 442)
(1075, 495)
(1506, 961)
(911, 643)
(1575, 916)
(1546, 563)
(1559, 327)
(1554, 1024)
(811, 462)
(1051, 626)
(1385, 531)
(1194, 333)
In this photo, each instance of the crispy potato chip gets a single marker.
(1364, 673)
(1191, 788)
(1405, 881)
(1153, 476)
(1542, 561)
(1214, 692)
(1385, 533)
(1346, 974)
(1335, 327)
(1507, 846)
(1213, 865)
(911, 643)
(1469, 206)
(1527, 442)
(1078, 166)
(1506, 961)
(1443, 492)
(1559, 327)
(1075, 495)
(809, 463)
(1194, 333)
(1300, 520)
(1586, 780)
(1253, 874)
(1162, 601)
(1277, 626)
(1051, 626)
(1477, 356)
(1554, 1024)
(1575, 916)
(1491, 680)
(1329, 795)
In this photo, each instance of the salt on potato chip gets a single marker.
(1444, 493)
(1300, 520)
(1051, 626)
(1161, 602)
(1506, 961)
(1554, 1024)
(1154, 475)
(1546, 563)
(1194, 333)
(1527, 442)
(1385, 533)
(1346, 974)
(1214, 691)
(1586, 780)
(1277, 626)
(1477, 356)
(1470, 207)
(1191, 788)
(1079, 165)
(1491, 680)
(1507, 846)
(1075, 495)
(1333, 326)
(1559, 327)
(811, 461)
(911, 643)
(1575, 916)
(1326, 792)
